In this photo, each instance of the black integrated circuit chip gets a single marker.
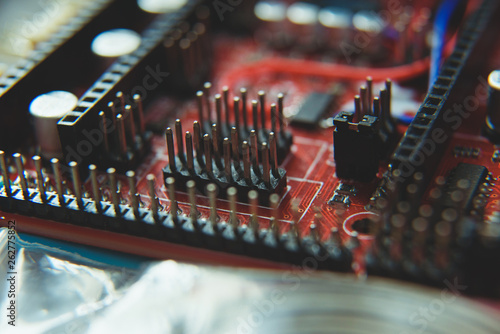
(312, 110)
(472, 178)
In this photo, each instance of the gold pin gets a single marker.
(254, 152)
(253, 198)
(227, 160)
(193, 212)
(383, 106)
(376, 106)
(274, 200)
(140, 112)
(58, 179)
(225, 97)
(313, 231)
(243, 92)
(39, 178)
(121, 134)
(131, 124)
(335, 236)
(246, 162)
(96, 192)
(113, 187)
(134, 196)
(198, 142)
(150, 178)
(170, 149)
(212, 197)
(369, 90)
(208, 155)
(262, 102)
(104, 127)
(266, 171)
(199, 100)
(207, 86)
(121, 98)
(236, 110)
(296, 217)
(77, 185)
(281, 116)
(5, 174)
(273, 117)
(363, 93)
(215, 144)
(178, 138)
(231, 195)
(218, 110)
(273, 154)
(18, 160)
(112, 108)
(358, 111)
(235, 149)
(388, 87)
(255, 115)
(189, 152)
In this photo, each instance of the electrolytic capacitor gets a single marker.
(492, 126)
(47, 110)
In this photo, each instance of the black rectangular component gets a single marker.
(472, 177)
(313, 109)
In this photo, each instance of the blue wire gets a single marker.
(441, 23)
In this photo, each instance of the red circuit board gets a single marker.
(310, 166)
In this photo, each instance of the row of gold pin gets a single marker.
(239, 111)
(135, 200)
(126, 122)
(210, 155)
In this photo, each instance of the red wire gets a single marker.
(324, 70)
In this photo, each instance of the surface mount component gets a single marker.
(313, 109)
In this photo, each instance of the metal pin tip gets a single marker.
(261, 92)
(190, 184)
(130, 173)
(199, 93)
(274, 199)
(243, 90)
(255, 102)
(253, 195)
(236, 99)
(281, 95)
(218, 96)
(36, 158)
(207, 85)
(170, 180)
(225, 88)
(73, 164)
(137, 97)
(211, 188)
(231, 191)
(54, 161)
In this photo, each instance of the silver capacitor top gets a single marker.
(47, 109)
